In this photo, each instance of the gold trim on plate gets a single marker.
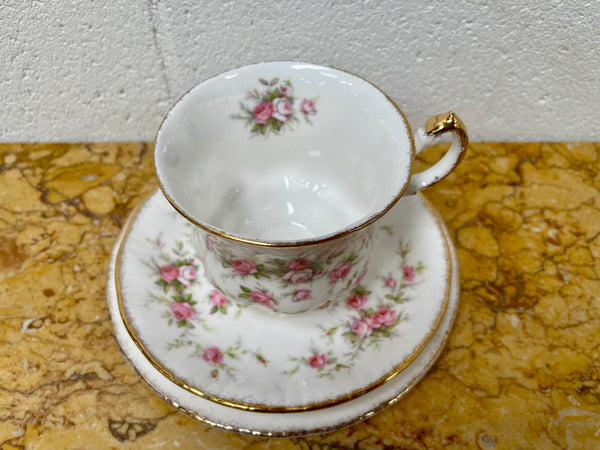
(304, 432)
(194, 415)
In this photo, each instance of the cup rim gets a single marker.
(346, 231)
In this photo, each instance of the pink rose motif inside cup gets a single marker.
(263, 112)
(282, 109)
(318, 360)
(308, 106)
(212, 355)
(273, 107)
(182, 311)
(286, 90)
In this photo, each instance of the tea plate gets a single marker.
(289, 424)
(251, 359)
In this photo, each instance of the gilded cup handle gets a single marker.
(434, 127)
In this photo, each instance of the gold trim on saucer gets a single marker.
(194, 415)
(282, 409)
(309, 431)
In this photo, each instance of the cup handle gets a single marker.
(434, 127)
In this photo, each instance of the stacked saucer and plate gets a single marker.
(288, 278)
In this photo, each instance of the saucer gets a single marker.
(287, 423)
(250, 358)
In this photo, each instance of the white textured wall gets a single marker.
(109, 70)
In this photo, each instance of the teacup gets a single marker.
(282, 167)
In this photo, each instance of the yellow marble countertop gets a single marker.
(520, 370)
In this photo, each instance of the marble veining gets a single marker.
(520, 369)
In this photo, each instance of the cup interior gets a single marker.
(283, 152)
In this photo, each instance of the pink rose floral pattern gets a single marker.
(340, 267)
(372, 318)
(408, 273)
(217, 358)
(218, 301)
(258, 296)
(340, 271)
(371, 315)
(272, 108)
(176, 272)
(322, 363)
(212, 345)
(244, 267)
(183, 311)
